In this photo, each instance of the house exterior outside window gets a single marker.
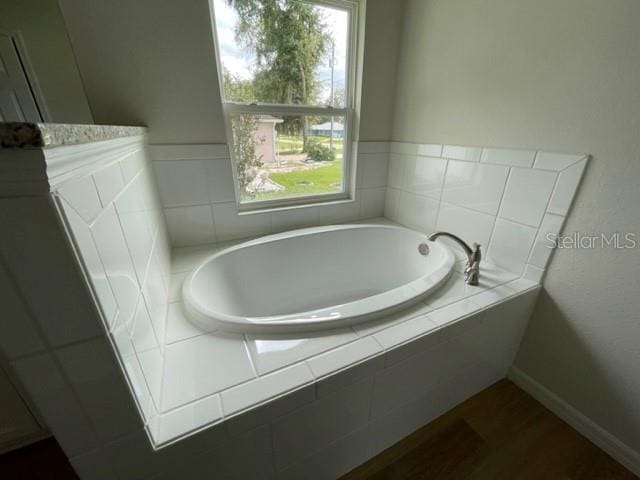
(289, 77)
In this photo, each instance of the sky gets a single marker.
(240, 62)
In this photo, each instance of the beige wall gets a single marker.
(48, 50)
(152, 63)
(382, 43)
(149, 63)
(563, 76)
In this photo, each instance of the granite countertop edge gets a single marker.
(48, 135)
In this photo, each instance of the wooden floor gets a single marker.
(500, 433)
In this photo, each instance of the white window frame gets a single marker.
(350, 112)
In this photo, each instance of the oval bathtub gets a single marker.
(314, 278)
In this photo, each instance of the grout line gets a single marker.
(546, 207)
(58, 201)
(137, 354)
(195, 400)
(190, 159)
(115, 198)
(152, 250)
(442, 155)
(479, 161)
(535, 160)
(353, 330)
(156, 404)
(95, 190)
(106, 331)
(383, 350)
(190, 337)
(220, 405)
(495, 220)
(554, 215)
(213, 223)
(231, 387)
(140, 288)
(584, 158)
(140, 283)
(201, 204)
(560, 229)
(558, 171)
(442, 187)
(315, 378)
(482, 150)
(519, 223)
(245, 343)
(305, 361)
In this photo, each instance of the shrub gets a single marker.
(244, 146)
(320, 153)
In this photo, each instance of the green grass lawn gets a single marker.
(289, 144)
(315, 181)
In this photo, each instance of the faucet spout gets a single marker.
(474, 255)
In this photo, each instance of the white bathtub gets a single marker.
(315, 278)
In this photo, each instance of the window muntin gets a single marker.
(289, 132)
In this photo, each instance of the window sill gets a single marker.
(337, 199)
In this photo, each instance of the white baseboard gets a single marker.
(624, 454)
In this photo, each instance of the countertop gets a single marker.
(49, 135)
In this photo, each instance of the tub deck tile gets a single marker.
(203, 365)
(259, 377)
(264, 388)
(178, 327)
(271, 352)
(345, 365)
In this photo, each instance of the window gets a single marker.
(287, 77)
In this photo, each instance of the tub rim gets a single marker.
(318, 319)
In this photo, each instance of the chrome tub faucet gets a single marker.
(474, 255)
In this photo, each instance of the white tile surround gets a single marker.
(504, 199)
(125, 249)
(110, 208)
(206, 212)
(296, 360)
(284, 407)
